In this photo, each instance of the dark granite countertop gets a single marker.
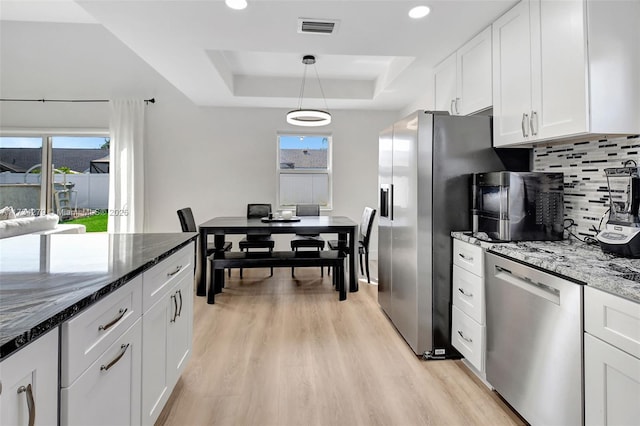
(571, 259)
(47, 279)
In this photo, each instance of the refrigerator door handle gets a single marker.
(391, 203)
(384, 201)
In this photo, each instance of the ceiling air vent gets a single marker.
(317, 26)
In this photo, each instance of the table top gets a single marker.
(307, 224)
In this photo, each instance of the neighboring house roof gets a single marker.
(79, 160)
(303, 158)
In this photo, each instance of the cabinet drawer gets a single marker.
(469, 257)
(88, 335)
(613, 319)
(158, 280)
(468, 337)
(468, 293)
(108, 392)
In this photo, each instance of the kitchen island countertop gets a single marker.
(571, 259)
(45, 280)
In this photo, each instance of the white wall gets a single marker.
(215, 160)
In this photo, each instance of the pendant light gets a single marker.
(309, 117)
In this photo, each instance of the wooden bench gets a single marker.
(275, 259)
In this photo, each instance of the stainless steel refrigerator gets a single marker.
(425, 164)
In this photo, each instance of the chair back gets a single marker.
(307, 209)
(187, 222)
(366, 225)
(258, 210)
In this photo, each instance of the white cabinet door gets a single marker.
(31, 374)
(156, 385)
(167, 328)
(559, 69)
(612, 384)
(180, 330)
(108, 392)
(511, 76)
(474, 74)
(445, 85)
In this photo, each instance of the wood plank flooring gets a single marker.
(283, 351)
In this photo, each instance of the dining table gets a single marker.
(219, 227)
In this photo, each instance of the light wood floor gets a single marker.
(279, 351)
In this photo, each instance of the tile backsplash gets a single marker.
(586, 198)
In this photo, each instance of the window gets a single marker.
(304, 170)
(66, 175)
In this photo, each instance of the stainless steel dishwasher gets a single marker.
(534, 342)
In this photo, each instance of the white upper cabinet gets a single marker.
(565, 69)
(445, 85)
(462, 82)
(474, 74)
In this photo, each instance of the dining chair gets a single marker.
(307, 240)
(188, 224)
(257, 239)
(364, 235)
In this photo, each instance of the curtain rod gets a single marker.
(146, 101)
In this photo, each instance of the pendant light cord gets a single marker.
(304, 78)
(324, 98)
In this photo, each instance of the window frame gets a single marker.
(47, 135)
(328, 171)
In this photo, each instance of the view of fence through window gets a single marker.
(304, 170)
(77, 189)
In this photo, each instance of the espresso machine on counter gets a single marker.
(621, 235)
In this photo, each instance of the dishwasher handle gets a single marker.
(537, 289)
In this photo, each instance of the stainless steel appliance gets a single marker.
(425, 164)
(517, 206)
(622, 231)
(534, 342)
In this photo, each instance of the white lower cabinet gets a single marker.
(468, 336)
(29, 384)
(468, 322)
(611, 383)
(108, 392)
(611, 359)
(167, 329)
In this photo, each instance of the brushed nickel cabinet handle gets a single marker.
(121, 313)
(467, 258)
(525, 118)
(453, 111)
(466, 339)
(123, 350)
(31, 403)
(175, 308)
(456, 104)
(178, 269)
(180, 309)
(464, 293)
(534, 119)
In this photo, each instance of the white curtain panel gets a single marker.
(126, 168)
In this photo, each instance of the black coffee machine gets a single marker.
(621, 235)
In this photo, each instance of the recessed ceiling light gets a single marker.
(236, 4)
(419, 12)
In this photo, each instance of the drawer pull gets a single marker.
(31, 403)
(466, 339)
(180, 294)
(178, 269)
(121, 313)
(467, 258)
(123, 348)
(464, 293)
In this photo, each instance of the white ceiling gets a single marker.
(378, 58)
